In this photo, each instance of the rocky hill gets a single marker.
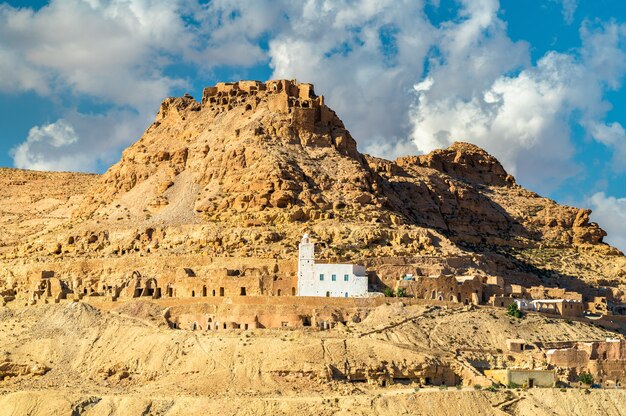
(249, 168)
(212, 201)
(37, 202)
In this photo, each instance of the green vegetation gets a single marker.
(512, 385)
(585, 378)
(400, 293)
(513, 310)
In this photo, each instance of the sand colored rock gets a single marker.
(252, 166)
(111, 286)
(121, 361)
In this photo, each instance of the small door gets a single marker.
(531, 382)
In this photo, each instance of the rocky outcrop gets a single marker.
(466, 162)
(251, 166)
(249, 147)
(10, 369)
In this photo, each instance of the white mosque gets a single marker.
(329, 280)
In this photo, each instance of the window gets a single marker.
(321, 277)
(334, 278)
(345, 277)
(346, 294)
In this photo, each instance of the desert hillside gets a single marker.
(246, 171)
(37, 202)
(169, 284)
(124, 360)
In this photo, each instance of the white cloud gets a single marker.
(367, 56)
(523, 119)
(364, 56)
(613, 136)
(84, 143)
(33, 153)
(112, 50)
(610, 213)
(569, 8)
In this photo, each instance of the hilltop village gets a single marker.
(323, 295)
(245, 240)
(314, 279)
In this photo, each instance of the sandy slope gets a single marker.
(104, 362)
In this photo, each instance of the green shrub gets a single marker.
(513, 310)
(512, 385)
(401, 292)
(388, 292)
(477, 386)
(585, 378)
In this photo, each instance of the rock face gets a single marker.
(466, 162)
(35, 202)
(276, 153)
(245, 171)
(249, 147)
(204, 213)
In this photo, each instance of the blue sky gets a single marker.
(538, 83)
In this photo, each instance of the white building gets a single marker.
(525, 305)
(330, 280)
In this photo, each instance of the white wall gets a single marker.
(306, 265)
(356, 285)
(310, 283)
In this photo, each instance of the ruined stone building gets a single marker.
(604, 360)
(458, 289)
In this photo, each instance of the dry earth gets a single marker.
(124, 361)
(233, 181)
